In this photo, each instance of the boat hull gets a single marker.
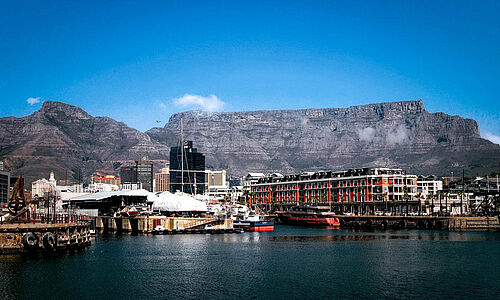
(312, 220)
(256, 226)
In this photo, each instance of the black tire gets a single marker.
(50, 241)
(30, 241)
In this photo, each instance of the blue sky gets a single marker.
(135, 61)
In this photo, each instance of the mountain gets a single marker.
(394, 134)
(65, 139)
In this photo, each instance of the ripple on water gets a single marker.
(288, 263)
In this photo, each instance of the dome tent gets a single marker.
(179, 202)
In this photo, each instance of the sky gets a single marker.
(141, 61)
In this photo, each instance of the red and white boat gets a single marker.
(308, 216)
(129, 212)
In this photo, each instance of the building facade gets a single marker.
(187, 169)
(428, 185)
(105, 179)
(128, 174)
(4, 188)
(363, 190)
(43, 187)
(145, 174)
(217, 184)
(162, 180)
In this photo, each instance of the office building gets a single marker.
(162, 180)
(4, 187)
(187, 158)
(128, 174)
(145, 174)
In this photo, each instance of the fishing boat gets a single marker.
(314, 216)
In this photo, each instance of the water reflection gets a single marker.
(290, 262)
(426, 236)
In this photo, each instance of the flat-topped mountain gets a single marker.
(65, 139)
(394, 134)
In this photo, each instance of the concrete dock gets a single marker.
(146, 224)
(420, 222)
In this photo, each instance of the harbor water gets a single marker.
(289, 263)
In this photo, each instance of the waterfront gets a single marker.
(292, 262)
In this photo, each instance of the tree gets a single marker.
(445, 195)
(431, 197)
(385, 199)
(406, 197)
(419, 197)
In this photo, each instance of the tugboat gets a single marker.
(312, 216)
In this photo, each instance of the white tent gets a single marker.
(178, 202)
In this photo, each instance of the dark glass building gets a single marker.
(142, 172)
(194, 169)
(145, 174)
(128, 174)
(4, 187)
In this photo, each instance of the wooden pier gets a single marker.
(36, 237)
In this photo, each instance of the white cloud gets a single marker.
(366, 134)
(163, 106)
(210, 103)
(33, 100)
(398, 135)
(490, 136)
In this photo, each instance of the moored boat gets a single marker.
(254, 223)
(129, 212)
(308, 216)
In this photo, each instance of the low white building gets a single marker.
(131, 186)
(43, 187)
(217, 184)
(102, 187)
(428, 185)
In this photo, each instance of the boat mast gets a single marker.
(182, 157)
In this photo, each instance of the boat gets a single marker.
(314, 216)
(254, 223)
(129, 212)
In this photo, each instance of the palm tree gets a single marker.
(445, 195)
(419, 197)
(431, 197)
(384, 197)
(406, 197)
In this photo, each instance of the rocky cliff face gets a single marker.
(65, 139)
(396, 134)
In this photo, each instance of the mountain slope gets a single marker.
(65, 139)
(395, 134)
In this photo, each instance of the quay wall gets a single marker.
(474, 223)
(420, 222)
(144, 224)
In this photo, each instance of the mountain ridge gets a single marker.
(66, 139)
(407, 126)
